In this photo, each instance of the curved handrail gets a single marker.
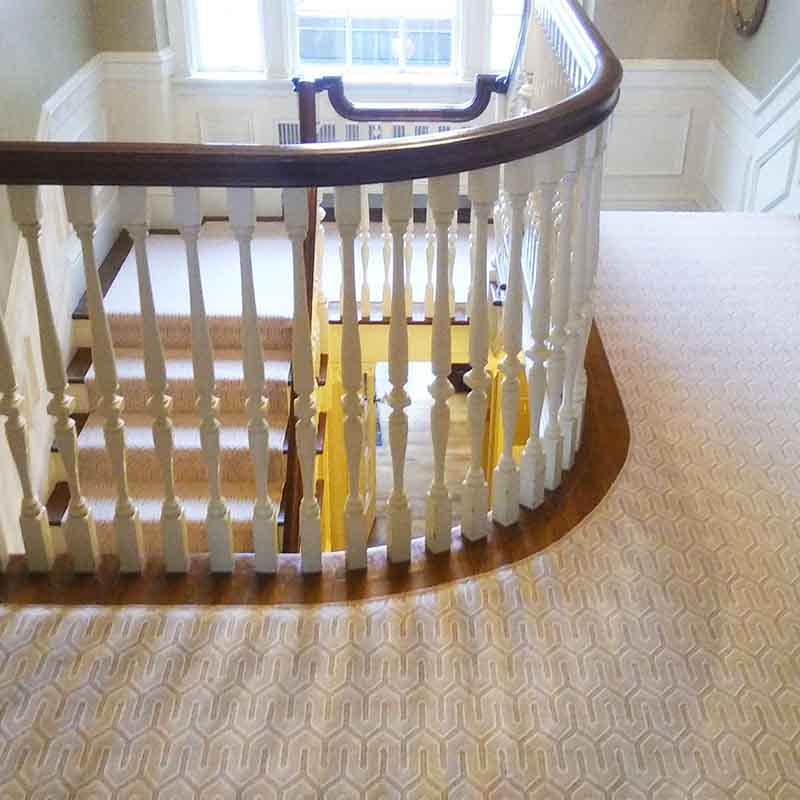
(485, 86)
(328, 164)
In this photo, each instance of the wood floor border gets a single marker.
(605, 446)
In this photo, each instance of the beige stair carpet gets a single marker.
(219, 262)
(654, 653)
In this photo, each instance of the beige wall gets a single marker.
(131, 25)
(661, 28)
(42, 43)
(760, 62)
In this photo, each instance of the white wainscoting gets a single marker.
(687, 134)
(76, 112)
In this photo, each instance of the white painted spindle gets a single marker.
(133, 211)
(397, 198)
(386, 304)
(33, 522)
(452, 241)
(438, 513)
(532, 464)
(483, 188)
(430, 258)
(218, 519)
(128, 528)
(295, 212)
(506, 480)
(242, 210)
(556, 360)
(319, 282)
(79, 530)
(408, 258)
(347, 217)
(568, 413)
(592, 252)
(364, 236)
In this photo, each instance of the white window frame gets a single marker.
(453, 70)
(471, 48)
(192, 24)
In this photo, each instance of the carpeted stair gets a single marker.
(221, 282)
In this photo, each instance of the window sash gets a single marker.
(398, 25)
(200, 63)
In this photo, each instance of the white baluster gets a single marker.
(556, 360)
(33, 522)
(506, 480)
(347, 216)
(319, 281)
(438, 513)
(452, 241)
(295, 212)
(532, 464)
(79, 530)
(430, 259)
(364, 236)
(408, 258)
(568, 413)
(242, 210)
(397, 198)
(592, 251)
(483, 188)
(387, 268)
(128, 528)
(133, 212)
(218, 519)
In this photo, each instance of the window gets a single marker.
(413, 34)
(278, 38)
(506, 18)
(228, 36)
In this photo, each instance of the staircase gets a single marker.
(220, 269)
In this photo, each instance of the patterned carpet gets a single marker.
(653, 653)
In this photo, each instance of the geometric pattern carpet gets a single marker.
(654, 652)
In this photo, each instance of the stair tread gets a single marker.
(186, 431)
(227, 365)
(194, 497)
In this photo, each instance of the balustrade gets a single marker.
(543, 217)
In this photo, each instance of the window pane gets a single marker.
(375, 40)
(429, 42)
(229, 35)
(322, 39)
(505, 30)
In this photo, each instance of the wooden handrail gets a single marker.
(328, 164)
(485, 86)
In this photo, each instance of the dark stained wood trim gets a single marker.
(164, 232)
(57, 504)
(79, 366)
(107, 271)
(605, 446)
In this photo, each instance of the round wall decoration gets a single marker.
(748, 15)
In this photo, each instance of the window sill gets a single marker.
(362, 86)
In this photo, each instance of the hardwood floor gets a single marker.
(605, 447)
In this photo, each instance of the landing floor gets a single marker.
(654, 652)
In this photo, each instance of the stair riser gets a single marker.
(176, 333)
(190, 466)
(232, 395)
